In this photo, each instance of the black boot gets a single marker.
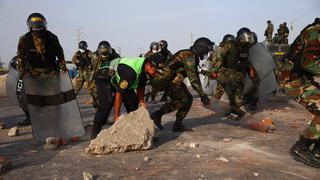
(300, 152)
(95, 130)
(236, 113)
(179, 127)
(316, 149)
(156, 117)
(252, 106)
(25, 122)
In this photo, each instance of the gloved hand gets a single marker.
(111, 72)
(63, 67)
(214, 75)
(205, 100)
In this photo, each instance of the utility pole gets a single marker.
(191, 39)
(80, 34)
(119, 50)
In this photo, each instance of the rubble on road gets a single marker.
(132, 132)
(13, 132)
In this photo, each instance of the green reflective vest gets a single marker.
(136, 63)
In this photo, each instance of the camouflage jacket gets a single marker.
(225, 56)
(97, 60)
(185, 62)
(82, 60)
(304, 55)
(269, 29)
(31, 56)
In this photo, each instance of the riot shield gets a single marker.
(266, 86)
(53, 107)
(11, 85)
(261, 60)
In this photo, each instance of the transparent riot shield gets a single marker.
(262, 61)
(11, 85)
(53, 107)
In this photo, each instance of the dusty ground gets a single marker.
(250, 154)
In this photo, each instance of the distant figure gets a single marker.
(268, 32)
(283, 34)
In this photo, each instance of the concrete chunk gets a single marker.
(13, 132)
(133, 131)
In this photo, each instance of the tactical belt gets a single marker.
(51, 100)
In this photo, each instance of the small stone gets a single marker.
(87, 176)
(198, 156)
(147, 158)
(223, 159)
(181, 144)
(194, 145)
(43, 165)
(287, 108)
(5, 164)
(49, 146)
(2, 125)
(13, 132)
(226, 140)
(256, 174)
(137, 168)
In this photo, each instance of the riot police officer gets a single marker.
(82, 59)
(102, 80)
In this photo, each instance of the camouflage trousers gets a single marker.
(181, 100)
(219, 91)
(232, 82)
(308, 95)
(82, 77)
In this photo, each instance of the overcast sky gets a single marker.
(134, 24)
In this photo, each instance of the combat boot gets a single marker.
(156, 117)
(25, 122)
(179, 127)
(235, 113)
(252, 106)
(316, 149)
(95, 131)
(300, 152)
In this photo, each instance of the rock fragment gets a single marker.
(223, 159)
(13, 132)
(87, 176)
(133, 131)
(194, 145)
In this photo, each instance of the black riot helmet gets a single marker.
(243, 36)
(202, 46)
(163, 44)
(104, 48)
(36, 21)
(228, 38)
(83, 45)
(154, 46)
(268, 21)
(317, 20)
(254, 38)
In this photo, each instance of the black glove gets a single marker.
(205, 100)
(111, 72)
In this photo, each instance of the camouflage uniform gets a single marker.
(96, 63)
(83, 63)
(149, 90)
(226, 63)
(302, 76)
(268, 32)
(31, 57)
(185, 63)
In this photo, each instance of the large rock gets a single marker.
(133, 131)
(3, 90)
